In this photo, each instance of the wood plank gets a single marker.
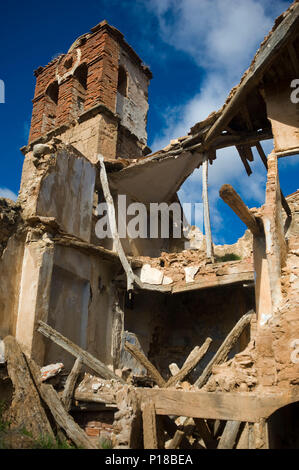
(26, 410)
(205, 198)
(59, 413)
(151, 369)
(205, 433)
(150, 437)
(176, 440)
(234, 201)
(239, 406)
(243, 442)
(189, 366)
(246, 152)
(251, 436)
(174, 368)
(99, 397)
(131, 278)
(222, 353)
(89, 360)
(229, 435)
(70, 384)
(63, 419)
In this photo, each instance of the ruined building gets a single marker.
(88, 145)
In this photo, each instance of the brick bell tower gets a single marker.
(95, 97)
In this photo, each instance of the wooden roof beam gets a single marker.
(233, 200)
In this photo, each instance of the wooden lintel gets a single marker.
(234, 201)
(234, 406)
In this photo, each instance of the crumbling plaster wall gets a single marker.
(10, 278)
(133, 108)
(11, 255)
(81, 304)
(34, 290)
(60, 185)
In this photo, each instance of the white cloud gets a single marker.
(221, 37)
(8, 194)
(221, 33)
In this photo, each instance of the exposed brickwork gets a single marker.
(100, 52)
(76, 87)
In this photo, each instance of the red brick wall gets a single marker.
(101, 54)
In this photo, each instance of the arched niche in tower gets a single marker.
(80, 87)
(51, 102)
(122, 85)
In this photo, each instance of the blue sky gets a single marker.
(197, 51)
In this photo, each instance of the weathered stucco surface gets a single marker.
(133, 108)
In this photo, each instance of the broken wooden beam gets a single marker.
(189, 365)
(222, 353)
(91, 397)
(63, 419)
(229, 435)
(151, 369)
(205, 433)
(205, 198)
(26, 410)
(89, 360)
(113, 225)
(243, 155)
(264, 159)
(70, 384)
(233, 200)
(176, 440)
(60, 415)
(174, 368)
(150, 437)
